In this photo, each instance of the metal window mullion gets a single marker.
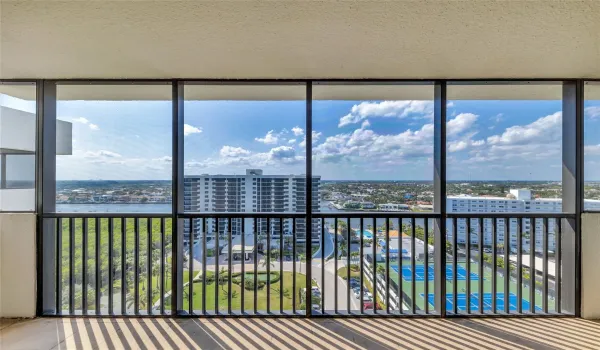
(45, 142)
(308, 152)
(439, 189)
(177, 186)
(572, 193)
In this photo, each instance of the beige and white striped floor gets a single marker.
(270, 333)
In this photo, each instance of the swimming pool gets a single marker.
(367, 234)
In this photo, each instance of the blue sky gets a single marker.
(352, 140)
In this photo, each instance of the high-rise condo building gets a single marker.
(249, 193)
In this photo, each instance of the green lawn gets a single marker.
(222, 289)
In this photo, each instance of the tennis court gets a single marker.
(420, 273)
(461, 302)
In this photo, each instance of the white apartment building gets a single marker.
(520, 201)
(249, 193)
(394, 207)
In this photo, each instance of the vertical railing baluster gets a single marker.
(468, 248)
(413, 263)
(111, 269)
(268, 261)
(255, 296)
(494, 264)
(374, 264)
(204, 251)
(545, 265)
(387, 265)
(98, 288)
(322, 266)
(400, 247)
(348, 265)
(149, 265)
(162, 266)
(217, 255)
(281, 286)
(454, 266)
(506, 266)
(71, 266)
(335, 265)
(123, 266)
(532, 271)
(480, 266)
(243, 275)
(229, 263)
(426, 259)
(136, 267)
(84, 257)
(557, 265)
(294, 265)
(519, 265)
(362, 267)
(191, 268)
(58, 222)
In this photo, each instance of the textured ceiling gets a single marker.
(301, 39)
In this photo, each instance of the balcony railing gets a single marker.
(388, 264)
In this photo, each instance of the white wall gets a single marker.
(590, 261)
(17, 265)
(17, 199)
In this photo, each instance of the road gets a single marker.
(329, 246)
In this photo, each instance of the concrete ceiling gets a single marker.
(299, 39)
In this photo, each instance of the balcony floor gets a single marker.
(231, 333)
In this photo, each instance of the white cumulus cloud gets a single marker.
(269, 139)
(297, 131)
(387, 109)
(190, 130)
